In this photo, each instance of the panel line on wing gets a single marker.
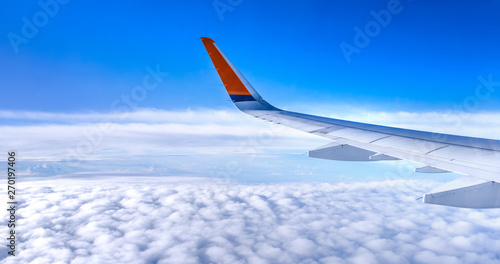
(436, 149)
(379, 139)
(479, 143)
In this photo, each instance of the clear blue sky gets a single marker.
(428, 57)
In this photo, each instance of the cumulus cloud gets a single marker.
(194, 220)
(158, 220)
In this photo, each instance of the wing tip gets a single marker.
(207, 40)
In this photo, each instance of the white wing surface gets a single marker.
(476, 158)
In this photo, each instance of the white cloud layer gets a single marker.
(146, 140)
(59, 136)
(194, 220)
(97, 135)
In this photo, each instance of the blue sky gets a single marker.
(71, 67)
(183, 176)
(428, 57)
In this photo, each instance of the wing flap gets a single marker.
(467, 192)
(343, 152)
(430, 169)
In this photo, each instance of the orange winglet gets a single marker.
(233, 84)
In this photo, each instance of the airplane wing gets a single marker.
(477, 158)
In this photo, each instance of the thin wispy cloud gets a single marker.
(53, 135)
(143, 115)
(144, 131)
